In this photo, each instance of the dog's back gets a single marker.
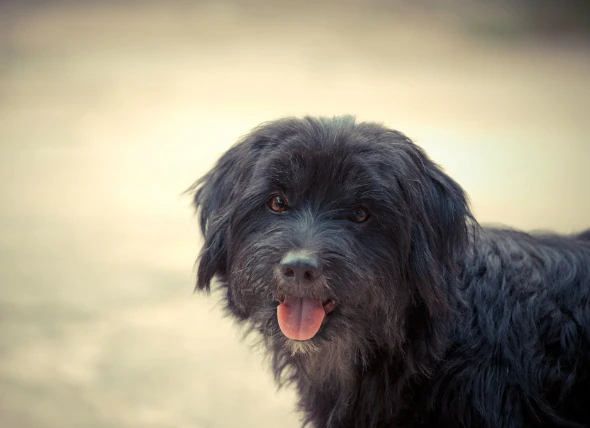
(526, 327)
(584, 236)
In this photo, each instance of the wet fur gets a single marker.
(439, 322)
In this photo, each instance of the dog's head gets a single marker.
(324, 229)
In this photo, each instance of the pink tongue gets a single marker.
(300, 318)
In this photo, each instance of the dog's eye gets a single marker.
(359, 215)
(278, 204)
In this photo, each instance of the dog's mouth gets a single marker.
(300, 318)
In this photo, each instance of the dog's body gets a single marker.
(378, 294)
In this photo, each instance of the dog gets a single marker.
(377, 293)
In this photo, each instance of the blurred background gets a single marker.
(109, 110)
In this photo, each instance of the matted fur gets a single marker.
(438, 322)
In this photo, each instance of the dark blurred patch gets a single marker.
(496, 19)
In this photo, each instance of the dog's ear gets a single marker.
(212, 196)
(439, 218)
(217, 194)
(439, 238)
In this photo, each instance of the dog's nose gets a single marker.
(300, 267)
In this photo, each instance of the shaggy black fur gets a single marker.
(438, 322)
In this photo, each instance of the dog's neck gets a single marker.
(351, 379)
(351, 390)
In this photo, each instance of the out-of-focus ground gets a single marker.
(109, 110)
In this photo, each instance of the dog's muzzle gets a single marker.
(301, 313)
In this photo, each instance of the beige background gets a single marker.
(109, 110)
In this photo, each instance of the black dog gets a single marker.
(379, 295)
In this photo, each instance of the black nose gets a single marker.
(300, 267)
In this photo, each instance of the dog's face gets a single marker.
(322, 230)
